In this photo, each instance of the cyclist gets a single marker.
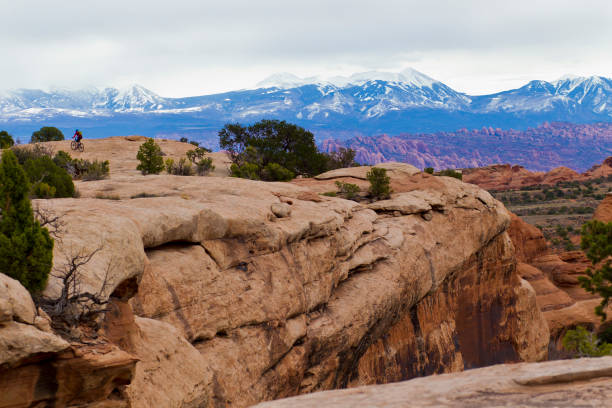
(77, 136)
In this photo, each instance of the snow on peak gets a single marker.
(408, 76)
(286, 80)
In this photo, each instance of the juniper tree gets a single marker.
(150, 157)
(26, 249)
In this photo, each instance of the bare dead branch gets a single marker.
(50, 220)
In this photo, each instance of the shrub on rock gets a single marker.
(26, 249)
(379, 183)
(150, 157)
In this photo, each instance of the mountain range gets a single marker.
(364, 104)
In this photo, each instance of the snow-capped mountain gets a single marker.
(363, 103)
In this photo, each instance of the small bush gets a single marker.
(47, 134)
(276, 172)
(347, 190)
(204, 166)
(330, 194)
(93, 170)
(341, 158)
(180, 168)
(183, 140)
(379, 183)
(6, 140)
(193, 142)
(43, 190)
(146, 195)
(44, 170)
(583, 343)
(246, 170)
(27, 152)
(451, 173)
(150, 157)
(429, 170)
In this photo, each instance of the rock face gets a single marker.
(603, 212)
(219, 298)
(554, 277)
(584, 382)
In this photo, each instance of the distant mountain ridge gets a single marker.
(363, 104)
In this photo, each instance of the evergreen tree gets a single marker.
(150, 157)
(26, 249)
(6, 140)
(47, 134)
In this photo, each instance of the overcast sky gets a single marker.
(184, 47)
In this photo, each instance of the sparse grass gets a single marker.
(103, 196)
(330, 194)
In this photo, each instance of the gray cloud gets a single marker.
(187, 47)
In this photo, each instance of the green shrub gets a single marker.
(451, 173)
(183, 140)
(93, 170)
(6, 140)
(193, 142)
(347, 190)
(47, 134)
(204, 166)
(379, 183)
(43, 190)
(583, 343)
(44, 170)
(429, 170)
(246, 170)
(276, 172)
(150, 157)
(180, 168)
(330, 194)
(26, 249)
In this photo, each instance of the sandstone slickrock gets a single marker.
(585, 382)
(214, 301)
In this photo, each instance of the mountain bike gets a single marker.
(77, 146)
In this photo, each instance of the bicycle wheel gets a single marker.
(74, 145)
(81, 147)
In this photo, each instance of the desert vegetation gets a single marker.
(273, 150)
(26, 248)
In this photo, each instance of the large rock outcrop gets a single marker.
(217, 300)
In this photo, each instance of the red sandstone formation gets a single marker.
(505, 177)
